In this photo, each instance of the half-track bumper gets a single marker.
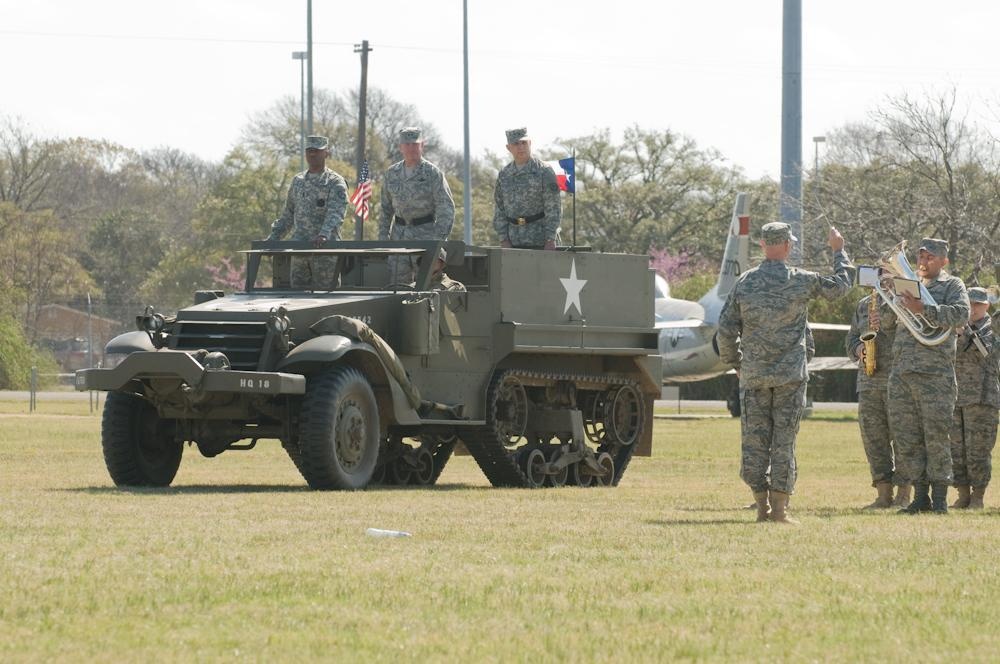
(169, 364)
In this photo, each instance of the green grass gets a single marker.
(239, 560)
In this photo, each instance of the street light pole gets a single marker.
(301, 56)
(309, 58)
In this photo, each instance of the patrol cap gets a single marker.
(777, 232)
(409, 135)
(515, 135)
(316, 143)
(936, 246)
(979, 294)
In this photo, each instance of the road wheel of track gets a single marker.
(339, 430)
(139, 447)
(423, 474)
(534, 468)
(560, 478)
(607, 464)
(578, 475)
(400, 471)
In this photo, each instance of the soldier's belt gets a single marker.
(521, 221)
(419, 221)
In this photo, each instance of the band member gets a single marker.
(871, 346)
(974, 432)
(922, 381)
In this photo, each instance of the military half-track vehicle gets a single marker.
(545, 368)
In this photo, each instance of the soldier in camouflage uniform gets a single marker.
(314, 211)
(416, 202)
(441, 281)
(974, 432)
(762, 332)
(526, 197)
(922, 382)
(873, 412)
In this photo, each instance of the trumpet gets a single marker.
(894, 263)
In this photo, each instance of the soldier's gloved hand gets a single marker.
(319, 240)
(550, 245)
(272, 237)
(506, 244)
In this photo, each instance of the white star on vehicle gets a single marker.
(573, 287)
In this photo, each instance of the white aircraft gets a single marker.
(688, 329)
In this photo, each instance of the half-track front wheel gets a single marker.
(338, 430)
(140, 448)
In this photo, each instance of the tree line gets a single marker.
(132, 227)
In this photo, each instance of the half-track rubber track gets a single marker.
(488, 446)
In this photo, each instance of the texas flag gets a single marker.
(565, 173)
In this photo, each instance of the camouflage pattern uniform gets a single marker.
(974, 432)
(922, 386)
(762, 332)
(873, 394)
(415, 206)
(443, 282)
(315, 206)
(522, 193)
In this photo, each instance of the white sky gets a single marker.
(188, 73)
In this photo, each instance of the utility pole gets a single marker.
(301, 56)
(363, 49)
(467, 170)
(309, 58)
(791, 123)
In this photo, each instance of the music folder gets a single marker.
(903, 285)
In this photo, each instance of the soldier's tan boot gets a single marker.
(976, 498)
(963, 497)
(779, 501)
(884, 499)
(760, 502)
(902, 495)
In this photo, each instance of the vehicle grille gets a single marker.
(240, 342)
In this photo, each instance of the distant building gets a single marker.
(63, 330)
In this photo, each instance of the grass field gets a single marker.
(239, 561)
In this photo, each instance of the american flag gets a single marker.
(363, 193)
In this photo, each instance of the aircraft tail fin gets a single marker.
(736, 258)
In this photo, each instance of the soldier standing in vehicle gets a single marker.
(314, 212)
(762, 333)
(873, 395)
(416, 202)
(974, 433)
(527, 205)
(922, 387)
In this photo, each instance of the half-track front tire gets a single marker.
(139, 447)
(338, 430)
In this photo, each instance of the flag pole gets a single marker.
(574, 197)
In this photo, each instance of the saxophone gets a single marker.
(868, 338)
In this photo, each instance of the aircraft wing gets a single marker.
(834, 327)
(832, 364)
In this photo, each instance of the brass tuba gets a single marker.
(893, 263)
